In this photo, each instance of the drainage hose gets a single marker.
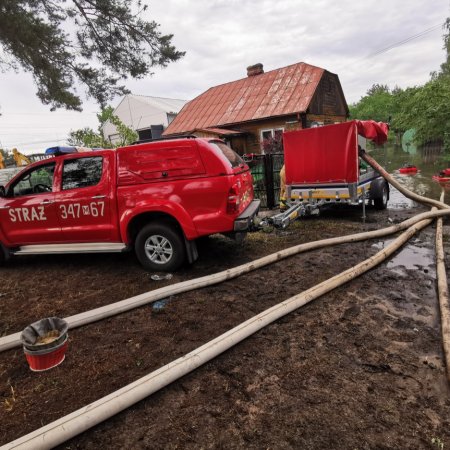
(103, 312)
(84, 418)
(444, 304)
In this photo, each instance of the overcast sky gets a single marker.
(222, 37)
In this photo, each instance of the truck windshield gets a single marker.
(233, 158)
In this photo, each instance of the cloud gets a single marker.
(222, 37)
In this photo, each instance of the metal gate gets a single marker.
(266, 177)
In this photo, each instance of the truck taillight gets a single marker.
(233, 200)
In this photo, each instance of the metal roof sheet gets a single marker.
(283, 91)
(221, 131)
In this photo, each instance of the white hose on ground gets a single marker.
(412, 195)
(444, 304)
(84, 418)
(103, 312)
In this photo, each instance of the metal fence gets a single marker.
(266, 177)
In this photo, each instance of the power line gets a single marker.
(404, 41)
(395, 45)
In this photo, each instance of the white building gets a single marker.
(148, 116)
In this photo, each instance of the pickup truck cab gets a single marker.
(154, 197)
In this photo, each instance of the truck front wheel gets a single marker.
(160, 247)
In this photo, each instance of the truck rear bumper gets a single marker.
(245, 221)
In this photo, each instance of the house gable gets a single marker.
(328, 100)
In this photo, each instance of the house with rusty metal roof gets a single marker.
(263, 105)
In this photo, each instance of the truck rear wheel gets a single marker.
(382, 201)
(160, 247)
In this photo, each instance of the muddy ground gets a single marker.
(359, 368)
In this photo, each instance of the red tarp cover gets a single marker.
(375, 131)
(322, 155)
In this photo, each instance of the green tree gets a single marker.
(378, 104)
(87, 137)
(109, 41)
(426, 109)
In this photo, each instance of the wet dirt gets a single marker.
(359, 368)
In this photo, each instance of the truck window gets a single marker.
(36, 181)
(233, 158)
(82, 172)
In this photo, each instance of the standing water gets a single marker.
(429, 162)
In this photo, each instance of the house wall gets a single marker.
(251, 142)
(311, 119)
(328, 100)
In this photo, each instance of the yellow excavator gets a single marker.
(20, 159)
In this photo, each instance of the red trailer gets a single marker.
(322, 166)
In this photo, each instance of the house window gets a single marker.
(278, 133)
(271, 140)
(274, 133)
(145, 135)
(170, 117)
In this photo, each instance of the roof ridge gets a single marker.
(264, 73)
(153, 96)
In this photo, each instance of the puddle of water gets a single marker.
(410, 256)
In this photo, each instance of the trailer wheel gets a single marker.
(382, 201)
(160, 247)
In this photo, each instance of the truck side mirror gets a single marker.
(2, 191)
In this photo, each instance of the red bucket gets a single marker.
(45, 359)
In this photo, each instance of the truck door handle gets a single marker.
(99, 196)
(4, 207)
(47, 202)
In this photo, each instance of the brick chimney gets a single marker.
(256, 69)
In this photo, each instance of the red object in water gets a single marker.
(40, 360)
(441, 179)
(408, 169)
(443, 176)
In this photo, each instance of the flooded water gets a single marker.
(416, 254)
(429, 162)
